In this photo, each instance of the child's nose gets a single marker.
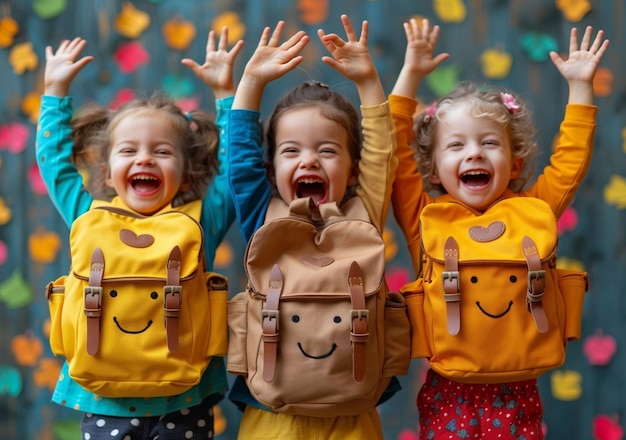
(309, 160)
(475, 151)
(144, 159)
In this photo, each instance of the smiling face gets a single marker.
(472, 158)
(312, 158)
(146, 162)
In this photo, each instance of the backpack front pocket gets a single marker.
(397, 336)
(237, 360)
(55, 293)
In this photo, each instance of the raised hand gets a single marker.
(63, 65)
(582, 62)
(418, 57)
(580, 67)
(217, 70)
(270, 61)
(351, 58)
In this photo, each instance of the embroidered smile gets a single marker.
(129, 331)
(491, 315)
(322, 356)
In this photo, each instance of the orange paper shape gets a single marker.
(8, 30)
(47, 373)
(232, 20)
(603, 82)
(573, 10)
(5, 213)
(313, 12)
(31, 104)
(44, 246)
(27, 349)
(131, 22)
(22, 58)
(178, 34)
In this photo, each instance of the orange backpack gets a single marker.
(490, 306)
(316, 332)
(138, 315)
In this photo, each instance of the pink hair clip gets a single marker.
(509, 102)
(430, 111)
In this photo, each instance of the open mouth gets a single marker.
(311, 187)
(476, 178)
(145, 183)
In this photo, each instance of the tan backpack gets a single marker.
(491, 306)
(138, 315)
(316, 333)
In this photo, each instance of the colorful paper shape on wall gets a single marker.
(391, 244)
(568, 220)
(450, 11)
(573, 10)
(13, 137)
(131, 22)
(496, 63)
(189, 103)
(566, 385)
(177, 86)
(36, 182)
(178, 33)
(10, 381)
(603, 82)
(396, 278)
(570, 264)
(615, 192)
(232, 20)
(3, 252)
(443, 80)
(130, 56)
(26, 349)
(606, 427)
(5, 213)
(67, 430)
(121, 97)
(31, 104)
(8, 30)
(47, 9)
(15, 292)
(599, 348)
(47, 373)
(22, 57)
(224, 254)
(43, 246)
(313, 12)
(538, 46)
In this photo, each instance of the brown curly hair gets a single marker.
(92, 128)
(483, 103)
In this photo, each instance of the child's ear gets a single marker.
(353, 179)
(517, 165)
(271, 175)
(434, 177)
(104, 169)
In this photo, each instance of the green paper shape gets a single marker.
(15, 292)
(538, 46)
(177, 86)
(443, 80)
(10, 381)
(47, 9)
(67, 430)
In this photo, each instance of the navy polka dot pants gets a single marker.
(190, 423)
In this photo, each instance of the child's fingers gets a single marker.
(597, 42)
(585, 43)
(364, 33)
(264, 37)
(275, 39)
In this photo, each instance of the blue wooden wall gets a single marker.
(584, 399)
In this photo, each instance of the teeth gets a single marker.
(310, 180)
(144, 177)
(474, 173)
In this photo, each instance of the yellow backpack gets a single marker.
(316, 333)
(490, 306)
(138, 315)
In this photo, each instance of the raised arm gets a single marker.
(570, 161)
(54, 134)
(408, 196)
(377, 166)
